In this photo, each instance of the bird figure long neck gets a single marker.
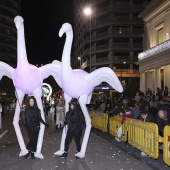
(22, 61)
(67, 71)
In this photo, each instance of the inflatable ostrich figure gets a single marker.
(28, 79)
(80, 84)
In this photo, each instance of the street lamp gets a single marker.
(88, 12)
(79, 58)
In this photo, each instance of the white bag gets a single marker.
(119, 132)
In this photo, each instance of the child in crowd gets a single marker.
(125, 114)
(146, 117)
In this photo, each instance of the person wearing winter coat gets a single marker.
(32, 116)
(145, 116)
(73, 122)
(163, 119)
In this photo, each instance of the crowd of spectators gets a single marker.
(147, 107)
(8, 104)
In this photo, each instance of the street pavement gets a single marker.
(103, 152)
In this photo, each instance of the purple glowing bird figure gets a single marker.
(80, 84)
(28, 79)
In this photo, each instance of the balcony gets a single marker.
(116, 21)
(113, 59)
(115, 47)
(127, 73)
(118, 46)
(9, 5)
(115, 33)
(154, 50)
(6, 22)
(7, 40)
(122, 7)
(5, 56)
(5, 10)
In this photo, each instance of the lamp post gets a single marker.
(79, 58)
(88, 12)
(123, 62)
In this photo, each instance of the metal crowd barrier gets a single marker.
(166, 142)
(99, 120)
(144, 136)
(141, 135)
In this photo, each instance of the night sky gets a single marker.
(42, 21)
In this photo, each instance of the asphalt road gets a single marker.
(103, 152)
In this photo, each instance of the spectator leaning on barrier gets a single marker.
(163, 119)
(145, 116)
(126, 115)
(153, 111)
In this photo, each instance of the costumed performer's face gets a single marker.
(31, 102)
(72, 106)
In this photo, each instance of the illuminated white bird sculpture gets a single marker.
(28, 79)
(80, 84)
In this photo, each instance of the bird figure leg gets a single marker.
(83, 101)
(37, 94)
(20, 96)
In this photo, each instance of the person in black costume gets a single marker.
(74, 122)
(33, 119)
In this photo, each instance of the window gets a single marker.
(159, 31)
(160, 35)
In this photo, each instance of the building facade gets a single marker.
(8, 36)
(154, 61)
(110, 36)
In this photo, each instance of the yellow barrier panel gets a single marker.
(91, 117)
(166, 141)
(144, 136)
(141, 135)
(115, 123)
(99, 121)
